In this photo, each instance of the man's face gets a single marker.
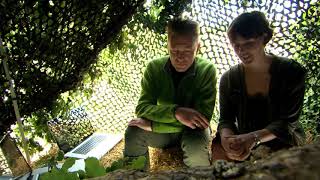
(182, 50)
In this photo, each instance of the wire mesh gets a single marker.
(114, 96)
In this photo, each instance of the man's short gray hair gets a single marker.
(183, 26)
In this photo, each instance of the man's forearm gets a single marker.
(158, 113)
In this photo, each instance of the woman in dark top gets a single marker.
(260, 98)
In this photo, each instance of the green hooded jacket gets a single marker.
(159, 98)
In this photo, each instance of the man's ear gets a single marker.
(198, 47)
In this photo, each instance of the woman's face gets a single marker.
(248, 50)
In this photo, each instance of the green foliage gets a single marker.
(126, 163)
(156, 15)
(62, 173)
(306, 39)
(53, 160)
(36, 124)
(59, 174)
(138, 163)
(93, 168)
(68, 164)
(60, 156)
(119, 164)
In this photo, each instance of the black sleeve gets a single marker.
(227, 111)
(291, 102)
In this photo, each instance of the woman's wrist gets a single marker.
(256, 138)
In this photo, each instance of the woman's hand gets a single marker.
(141, 123)
(231, 148)
(243, 141)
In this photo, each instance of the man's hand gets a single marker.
(191, 118)
(141, 123)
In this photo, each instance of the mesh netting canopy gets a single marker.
(52, 44)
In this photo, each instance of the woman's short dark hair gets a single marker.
(250, 25)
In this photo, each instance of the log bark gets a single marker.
(297, 163)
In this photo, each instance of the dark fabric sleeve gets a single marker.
(290, 102)
(227, 110)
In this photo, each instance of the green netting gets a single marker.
(52, 44)
(58, 42)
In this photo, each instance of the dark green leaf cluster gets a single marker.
(306, 40)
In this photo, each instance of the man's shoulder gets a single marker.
(202, 60)
(156, 66)
(204, 64)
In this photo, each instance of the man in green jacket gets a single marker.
(176, 101)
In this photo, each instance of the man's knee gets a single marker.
(196, 156)
(132, 131)
(195, 148)
(135, 145)
(135, 142)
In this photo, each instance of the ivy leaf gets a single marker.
(68, 163)
(60, 156)
(119, 164)
(138, 163)
(93, 168)
(81, 174)
(59, 175)
(52, 163)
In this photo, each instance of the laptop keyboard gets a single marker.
(90, 144)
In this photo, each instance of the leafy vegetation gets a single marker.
(306, 41)
(92, 168)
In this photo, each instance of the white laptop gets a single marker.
(96, 145)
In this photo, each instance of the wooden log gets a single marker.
(297, 163)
